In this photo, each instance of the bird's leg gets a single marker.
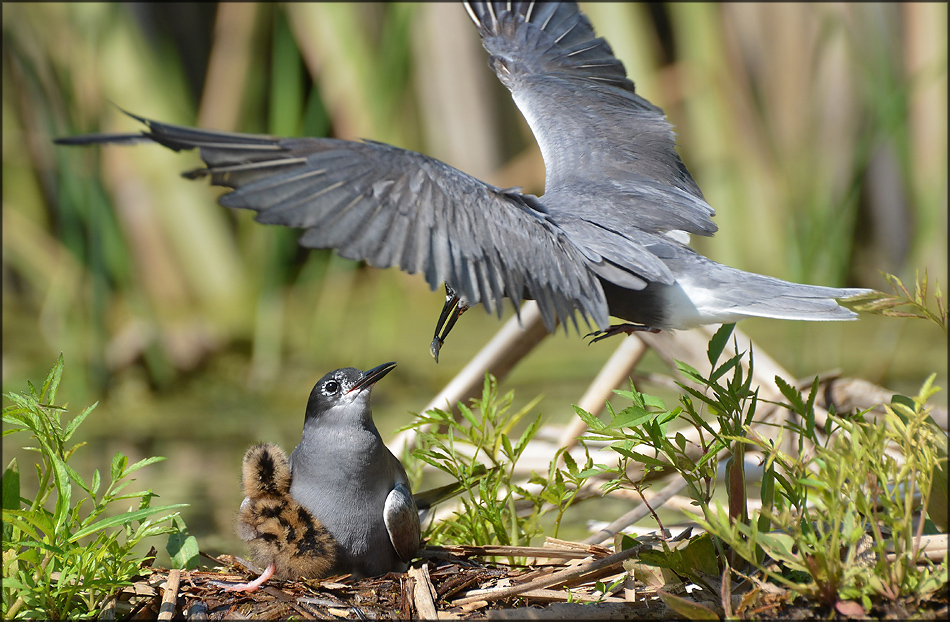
(452, 310)
(617, 329)
(256, 583)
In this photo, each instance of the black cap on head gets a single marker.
(343, 386)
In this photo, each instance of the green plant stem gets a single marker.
(15, 607)
(44, 486)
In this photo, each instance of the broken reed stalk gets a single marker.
(423, 593)
(554, 578)
(170, 596)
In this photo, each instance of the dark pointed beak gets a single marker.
(371, 376)
(452, 310)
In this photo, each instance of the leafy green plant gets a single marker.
(914, 305)
(604, 590)
(904, 304)
(477, 452)
(862, 505)
(559, 489)
(62, 563)
(829, 511)
(643, 426)
(601, 591)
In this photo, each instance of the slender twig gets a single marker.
(673, 488)
(643, 499)
(555, 578)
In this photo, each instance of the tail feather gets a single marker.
(715, 293)
(803, 302)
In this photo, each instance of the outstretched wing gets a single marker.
(597, 136)
(393, 207)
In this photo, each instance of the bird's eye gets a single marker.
(333, 386)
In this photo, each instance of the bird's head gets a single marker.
(344, 393)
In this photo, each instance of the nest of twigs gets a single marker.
(448, 583)
(562, 581)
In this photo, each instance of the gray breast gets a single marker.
(346, 490)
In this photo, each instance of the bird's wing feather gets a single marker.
(402, 522)
(589, 122)
(393, 207)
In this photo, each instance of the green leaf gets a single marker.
(634, 396)
(52, 381)
(22, 518)
(118, 466)
(141, 463)
(587, 473)
(570, 463)
(641, 458)
(22, 412)
(72, 425)
(721, 371)
(64, 490)
(39, 545)
(713, 404)
(767, 496)
(74, 476)
(779, 546)
(95, 482)
(680, 441)
(654, 402)
(792, 394)
(700, 555)
(906, 402)
(690, 559)
(690, 609)
(627, 541)
(592, 422)
(718, 342)
(467, 413)
(937, 505)
(11, 487)
(690, 372)
(814, 482)
(181, 546)
(631, 417)
(123, 519)
(10, 583)
(809, 414)
(506, 445)
(526, 437)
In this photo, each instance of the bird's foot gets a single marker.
(618, 329)
(256, 583)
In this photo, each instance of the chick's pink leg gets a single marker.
(256, 583)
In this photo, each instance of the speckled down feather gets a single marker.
(276, 528)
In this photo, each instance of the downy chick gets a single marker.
(281, 534)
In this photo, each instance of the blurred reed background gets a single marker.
(818, 132)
